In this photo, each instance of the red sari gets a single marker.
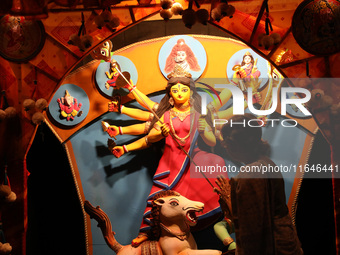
(173, 171)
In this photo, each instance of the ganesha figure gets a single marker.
(69, 107)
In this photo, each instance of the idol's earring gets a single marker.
(171, 101)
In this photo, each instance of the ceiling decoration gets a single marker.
(316, 26)
(22, 39)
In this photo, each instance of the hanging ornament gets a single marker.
(259, 39)
(11, 112)
(268, 39)
(223, 9)
(106, 18)
(202, 16)
(276, 37)
(38, 118)
(33, 109)
(5, 190)
(41, 104)
(74, 40)
(2, 115)
(114, 22)
(230, 11)
(177, 9)
(216, 15)
(81, 40)
(8, 112)
(98, 20)
(106, 15)
(166, 4)
(86, 42)
(29, 106)
(189, 16)
(166, 14)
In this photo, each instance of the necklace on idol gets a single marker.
(181, 236)
(181, 116)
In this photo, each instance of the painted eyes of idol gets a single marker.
(182, 90)
(173, 203)
(181, 54)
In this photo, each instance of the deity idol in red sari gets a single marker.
(180, 125)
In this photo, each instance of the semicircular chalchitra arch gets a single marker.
(83, 141)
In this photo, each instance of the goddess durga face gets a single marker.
(180, 93)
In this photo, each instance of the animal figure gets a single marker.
(172, 215)
(69, 106)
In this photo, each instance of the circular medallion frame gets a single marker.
(126, 65)
(185, 51)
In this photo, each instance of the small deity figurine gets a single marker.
(116, 80)
(181, 55)
(248, 68)
(247, 75)
(69, 106)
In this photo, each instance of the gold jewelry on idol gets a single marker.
(171, 101)
(184, 107)
(181, 116)
(179, 72)
(181, 235)
(247, 54)
(227, 241)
